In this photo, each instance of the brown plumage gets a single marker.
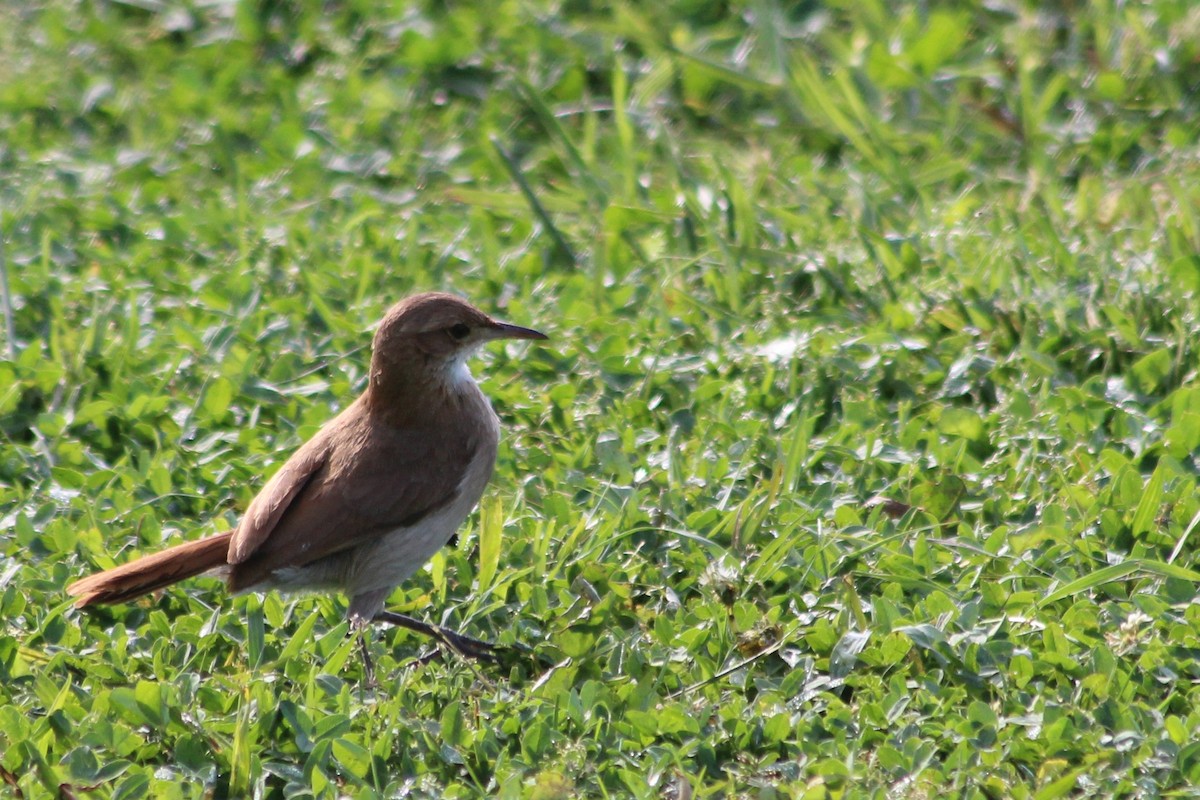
(152, 572)
(365, 502)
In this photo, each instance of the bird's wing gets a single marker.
(269, 506)
(346, 486)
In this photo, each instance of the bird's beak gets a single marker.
(503, 330)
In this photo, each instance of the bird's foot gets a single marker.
(463, 645)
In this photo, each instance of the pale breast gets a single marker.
(373, 566)
(386, 562)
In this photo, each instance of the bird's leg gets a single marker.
(362, 627)
(463, 645)
(368, 663)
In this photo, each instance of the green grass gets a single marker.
(862, 461)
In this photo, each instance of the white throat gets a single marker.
(458, 374)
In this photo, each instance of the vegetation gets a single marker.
(862, 461)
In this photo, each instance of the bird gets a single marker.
(364, 503)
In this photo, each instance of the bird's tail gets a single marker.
(151, 572)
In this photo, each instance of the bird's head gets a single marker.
(434, 333)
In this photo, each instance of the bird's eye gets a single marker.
(459, 331)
